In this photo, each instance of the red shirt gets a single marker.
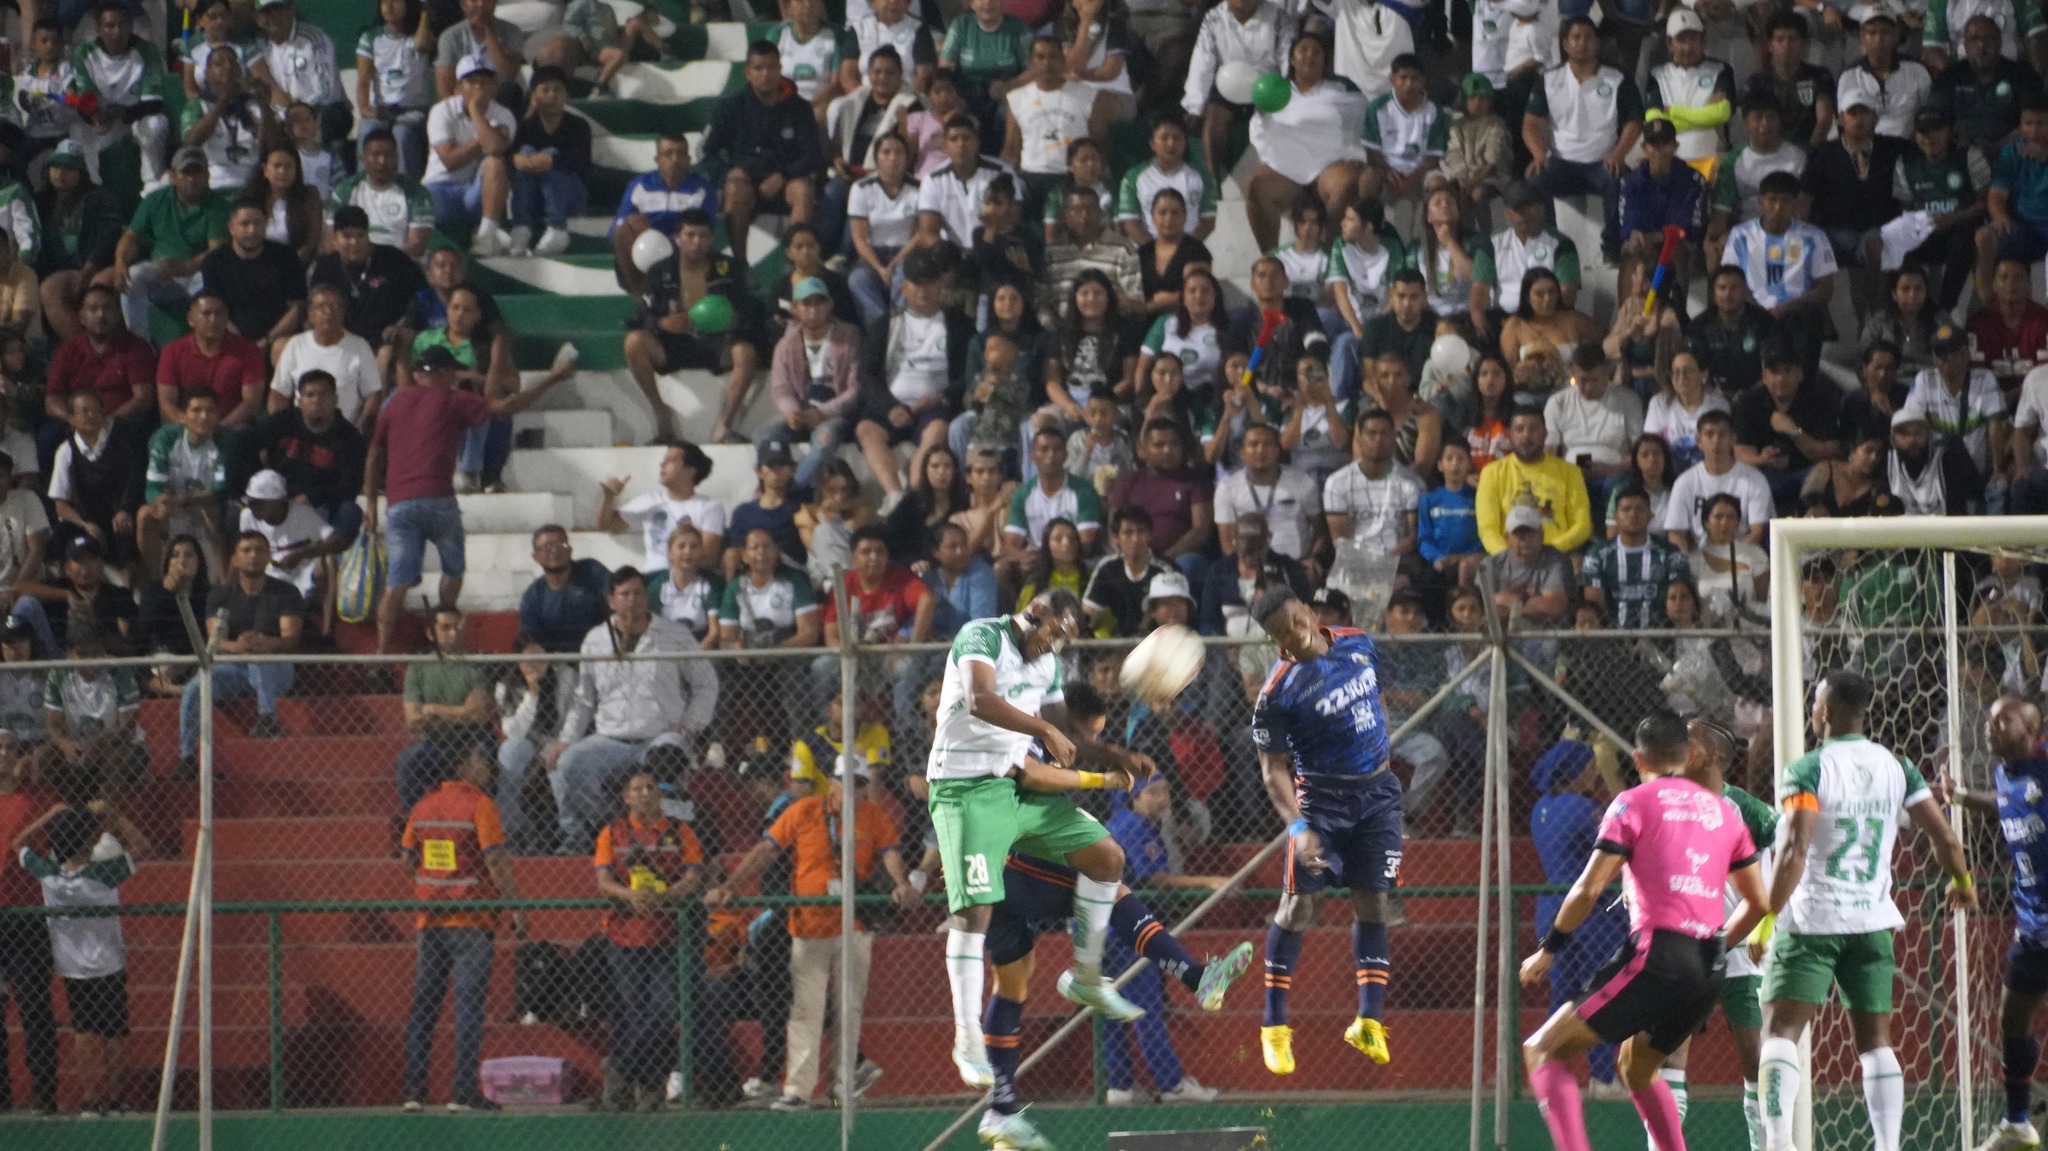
(885, 611)
(238, 364)
(130, 363)
(2009, 352)
(420, 430)
(1169, 499)
(18, 809)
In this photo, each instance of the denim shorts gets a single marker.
(409, 525)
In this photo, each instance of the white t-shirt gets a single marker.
(352, 363)
(1681, 429)
(1368, 36)
(1513, 257)
(809, 64)
(301, 525)
(1967, 418)
(1687, 510)
(85, 946)
(657, 517)
(2033, 410)
(21, 516)
(1306, 271)
(1291, 504)
(1605, 429)
(891, 222)
(870, 33)
(917, 362)
(448, 123)
(1585, 115)
(1363, 274)
(1048, 122)
(1377, 508)
(958, 202)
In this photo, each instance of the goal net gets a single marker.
(1942, 615)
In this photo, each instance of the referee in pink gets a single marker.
(1675, 842)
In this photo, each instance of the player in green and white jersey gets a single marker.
(1831, 891)
(1002, 690)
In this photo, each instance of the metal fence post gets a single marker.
(196, 944)
(849, 882)
(276, 940)
(686, 1005)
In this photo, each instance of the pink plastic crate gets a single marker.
(526, 1081)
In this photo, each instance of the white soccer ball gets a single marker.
(1234, 81)
(1163, 664)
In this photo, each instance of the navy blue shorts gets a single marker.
(2026, 242)
(2026, 967)
(1360, 826)
(1038, 897)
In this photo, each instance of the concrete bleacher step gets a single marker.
(515, 513)
(566, 427)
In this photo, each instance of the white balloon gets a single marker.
(651, 248)
(1450, 354)
(1234, 81)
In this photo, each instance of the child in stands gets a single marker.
(85, 868)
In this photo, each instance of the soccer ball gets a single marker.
(1163, 664)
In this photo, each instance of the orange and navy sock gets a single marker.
(1369, 952)
(1283, 950)
(1134, 924)
(1002, 1028)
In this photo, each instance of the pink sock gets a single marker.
(1557, 1094)
(1660, 1115)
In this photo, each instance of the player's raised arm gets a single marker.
(1602, 869)
(1948, 850)
(1043, 777)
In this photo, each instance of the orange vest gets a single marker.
(660, 855)
(448, 857)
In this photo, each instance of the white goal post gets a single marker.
(1792, 540)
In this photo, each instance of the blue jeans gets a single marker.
(1148, 991)
(870, 294)
(824, 440)
(1566, 178)
(270, 682)
(409, 132)
(644, 1002)
(485, 448)
(409, 525)
(463, 955)
(547, 198)
(832, 234)
(458, 203)
(1345, 370)
(515, 758)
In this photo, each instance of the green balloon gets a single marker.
(1271, 92)
(711, 315)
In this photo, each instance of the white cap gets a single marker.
(1865, 12)
(267, 485)
(471, 65)
(1856, 98)
(1523, 516)
(1683, 20)
(1168, 585)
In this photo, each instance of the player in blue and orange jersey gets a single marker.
(1322, 738)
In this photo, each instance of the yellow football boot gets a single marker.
(1369, 1036)
(1278, 1044)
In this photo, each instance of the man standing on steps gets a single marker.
(412, 459)
(769, 136)
(667, 339)
(1831, 889)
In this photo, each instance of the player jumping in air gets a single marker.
(1322, 739)
(1677, 843)
(1002, 689)
(2019, 802)
(1831, 890)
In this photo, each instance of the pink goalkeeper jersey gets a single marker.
(1680, 841)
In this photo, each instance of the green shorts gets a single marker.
(1801, 968)
(1741, 1003)
(979, 822)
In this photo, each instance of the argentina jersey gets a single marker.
(1326, 715)
(2023, 818)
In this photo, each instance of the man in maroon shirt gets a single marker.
(24, 943)
(214, 358)
(1177, 499)
(890, 605)
(2009, 335)
(412, 461)
(104, 357)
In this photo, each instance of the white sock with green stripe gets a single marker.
(1884, 1094)
(1675, 1078)
(1779, 1067)
(965, 972)
(1093, 901)
(1752, 1115)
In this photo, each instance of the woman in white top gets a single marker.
(683, 591)
(1315, 141)
(1733, 576)
(1674, 412)
(1097, 38)
(1651, 469)
(881, 213)
(1190, 334)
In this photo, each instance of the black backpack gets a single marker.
(540, 982)
(588, 982)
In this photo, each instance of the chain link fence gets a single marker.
(310, 965)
